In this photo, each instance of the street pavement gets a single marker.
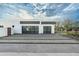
(54, 43)
(39, 48)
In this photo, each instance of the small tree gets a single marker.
(59, 27)
(68, 25)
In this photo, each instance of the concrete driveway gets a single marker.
(36, 38)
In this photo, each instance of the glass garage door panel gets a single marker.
(47, 29)
(30, 29)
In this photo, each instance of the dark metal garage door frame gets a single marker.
(46, 29)
(31, 31)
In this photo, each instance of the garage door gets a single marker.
(47, 30)
(30, 29)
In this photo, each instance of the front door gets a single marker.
(8, 31)
(47, 30)
(30, 29)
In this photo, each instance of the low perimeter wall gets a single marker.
(3, 32)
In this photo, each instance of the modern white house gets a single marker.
(27, 27)
(27, 24)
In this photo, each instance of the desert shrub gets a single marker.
(73, 33)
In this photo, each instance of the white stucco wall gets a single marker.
(3, 32)
(12, 31)
(53, 29)
(17, 29)
(8, 24)
(40, 29)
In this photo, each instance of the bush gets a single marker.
(73, 33)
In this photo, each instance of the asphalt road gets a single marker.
(40, 48)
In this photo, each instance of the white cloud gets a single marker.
(23, 14)
(72, 7)
(54, 18)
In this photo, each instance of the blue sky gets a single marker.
(15, 10)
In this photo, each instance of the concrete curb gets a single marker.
(40, 41)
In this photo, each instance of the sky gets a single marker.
(53, 11)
